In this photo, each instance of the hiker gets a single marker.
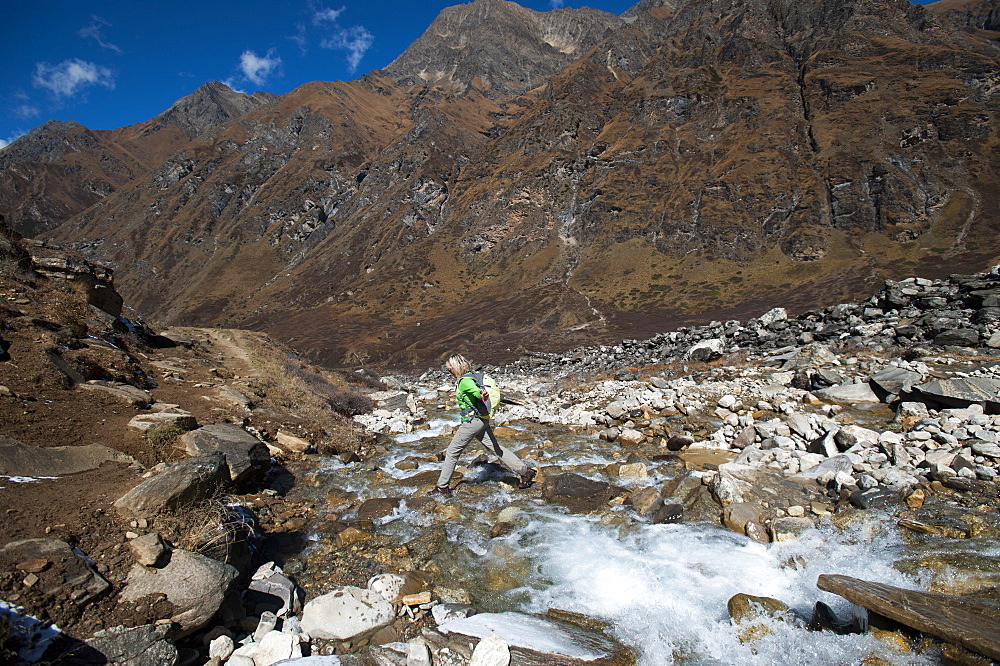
(475, 424)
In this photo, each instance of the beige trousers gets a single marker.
(476, 428)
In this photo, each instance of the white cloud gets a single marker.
(93, 31)
(26, 111)
(258, 69)
(4, 144)
(301, 38)
(556, 4)
(234, 85)
(70, 76)
(355, 40)
(326, 15)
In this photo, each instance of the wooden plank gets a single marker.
(975, 626)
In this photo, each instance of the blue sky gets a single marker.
(108, 64)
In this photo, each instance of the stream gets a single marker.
(663, 589)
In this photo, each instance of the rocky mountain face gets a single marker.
(60, 169)
(574, 177)
(499, 46)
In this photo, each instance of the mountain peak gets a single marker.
(510, 48)
(212, 104)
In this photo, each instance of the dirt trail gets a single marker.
(227, 341)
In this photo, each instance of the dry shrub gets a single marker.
(218, 528)
(164, 439)
(69, 308)
(341, 400)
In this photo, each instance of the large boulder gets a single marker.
(849, 393)
(894, 381)
(270, 585)
(735, 483)
(135, 646)
(577, 493)
(196, 585)
(166, 419)
(736, 516)
(772, 316)
(832, 466)
(378, 508)
(707, 350)
(852, 437)
(957, 337)
(811, 356)
(346, 613)
(246, 456)
(125, 392)
(181, 483)
(963, 391)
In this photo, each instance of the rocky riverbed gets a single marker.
(691, 490)
(774, 428)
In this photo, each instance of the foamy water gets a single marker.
(665, 588)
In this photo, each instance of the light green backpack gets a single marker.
(488, 407)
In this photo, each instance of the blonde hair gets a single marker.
(459, 364)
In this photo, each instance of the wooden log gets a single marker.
(975, 626)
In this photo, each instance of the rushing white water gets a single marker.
(434, 429)
(665, 588)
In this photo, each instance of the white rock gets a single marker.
(707, 349)
(292, 443)
(345, 613)
(940, 457)
(849, 393)
(418, 653)
(491, 651)
(221, 648)
(276, 646)
(727, 401)
(772, 316)
(268, 621)
(444, 612)
(637, 470)
(631, 437)
(851, 436)
(530, 632)
(151, 421)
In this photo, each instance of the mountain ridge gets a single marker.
(704, 158)
(38, 186)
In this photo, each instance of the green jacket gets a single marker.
(467, 395)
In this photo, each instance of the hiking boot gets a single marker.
(526, 477)
(440, 491)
